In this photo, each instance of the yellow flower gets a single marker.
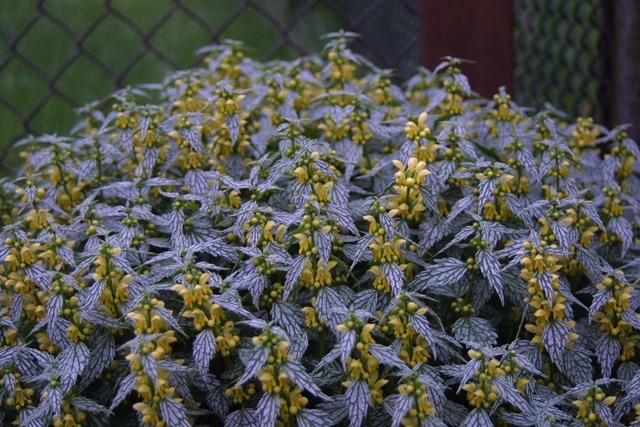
(375, 387)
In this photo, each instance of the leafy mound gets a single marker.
(305, 244)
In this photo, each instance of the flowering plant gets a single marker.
(305, 244)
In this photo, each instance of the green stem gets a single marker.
(322, 343)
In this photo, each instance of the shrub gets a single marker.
(305, 244)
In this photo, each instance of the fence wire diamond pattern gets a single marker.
(389, 30)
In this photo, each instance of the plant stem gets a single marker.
(322, 343)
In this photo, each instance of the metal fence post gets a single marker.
(625, 90)
(481, 31)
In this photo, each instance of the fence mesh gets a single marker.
(561, 55)
(57, 55)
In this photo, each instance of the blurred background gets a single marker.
(58, 55)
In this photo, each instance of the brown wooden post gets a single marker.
(478, 30)
(625, 67)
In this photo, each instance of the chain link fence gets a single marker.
(57, 55)
(561, 54)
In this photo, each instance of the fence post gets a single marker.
(625, 67)
(481, 31)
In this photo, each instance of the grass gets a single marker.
(115, 43)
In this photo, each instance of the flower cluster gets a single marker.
(309, 243)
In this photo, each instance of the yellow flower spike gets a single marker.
(366, 333)
(268, 381)
(355, 369)
(302, 174)
(144, 392)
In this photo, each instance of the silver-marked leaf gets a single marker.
(469, 370)
(124, 388)
(394, 275)
(89, 298)
(490, 268)
(599, 299)
(387, 223)
(461, 205)
(565, 235)
(475, 332)
(103, 350)
(443, 273)
(126, 138)
(257, 285)
(459, 237)
(89, 406)
(577, 365)
(336, 409)
(323, 242)
(485, 191)
(216, 400)
(607, 349)
(301, 378)
(328, 359)
(289, 316)
(73, 359)
(555, 337)
(403, 403)
(255, 235)
(604, 413)
(233, 126)
(173, 413)
(330, 306)
(193, 137)
(632, 318)
(150, 366)
(57, 331)
(592, 212)
(145, 122)
(510, 394)
(347, 342)
(358, 400)
(253, 363)
(621, 226)
(204, 347)
(526, 158)
(54, 305)
(311, 418)
(243, 418)
(633, 386)
(293, 274)
(545, 280)
(299, 345)
(386, 356)
(7, 354)
(231, 301)
(268, 409)
(366, 300)
(593, 263)
(432, 231)
(66, 254)
(421, 325)
(430, 192)
(477, 418)
(167, 316)
(453, 414)
(360, 249)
